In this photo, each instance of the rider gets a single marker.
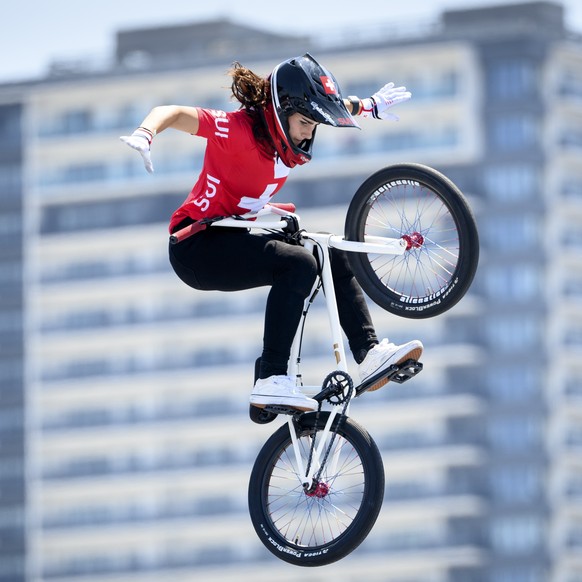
(248, 157)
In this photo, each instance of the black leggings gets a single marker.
(227, 259)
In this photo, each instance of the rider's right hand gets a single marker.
(376, 106)
(141, 140)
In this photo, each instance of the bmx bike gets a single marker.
(317, 485)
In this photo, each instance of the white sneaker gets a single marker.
(382, 356)
(280, 391)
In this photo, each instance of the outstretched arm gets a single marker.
(159, 118)
(174, 116)
(376, 106)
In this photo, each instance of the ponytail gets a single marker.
(254, 95)
(249, 89)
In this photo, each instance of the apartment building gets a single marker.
(125, 440)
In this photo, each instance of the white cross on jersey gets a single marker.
(255, 204)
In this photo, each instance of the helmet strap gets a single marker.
(284, 151)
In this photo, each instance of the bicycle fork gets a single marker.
(307, 475)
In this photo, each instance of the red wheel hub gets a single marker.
(320, 490)
(414, 240)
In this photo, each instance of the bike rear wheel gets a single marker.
(321, 525)
(422, 206)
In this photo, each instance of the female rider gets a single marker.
(248, 157)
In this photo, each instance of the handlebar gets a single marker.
(371, 244)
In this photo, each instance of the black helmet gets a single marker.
(302, 85)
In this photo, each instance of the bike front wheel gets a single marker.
(327, 521)
(424, 208)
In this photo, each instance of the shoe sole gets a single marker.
(411, 355)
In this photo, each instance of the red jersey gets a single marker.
(236, 177)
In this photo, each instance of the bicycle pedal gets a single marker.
(275, 409)
(402, 372)
(398, 373)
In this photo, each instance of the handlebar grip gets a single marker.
(286, 206)
(186, 232)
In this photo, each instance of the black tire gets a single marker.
(422, 206)
(321, 527)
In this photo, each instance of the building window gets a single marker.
(109, 214)
(518, 574)
(573, 485)
(513, 282)
(512, 79)
(514, 433)
(573, 435)
(12, 568)
(573, 386)
(516, 534)
(78, 121)
(515, 131)
(85, 173)
(509, 182)
(507, 383)
(10, 275)
(571, 187)
(512, 332)
(573, 335)
(570, 84)
(510, 232)
(10, 179)
(11, 321)
(10, 125)
(515, 484)
(571, 137)
(574, 535)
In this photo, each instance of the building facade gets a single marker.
(13, 498)
(126, 445)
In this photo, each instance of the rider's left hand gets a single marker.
(377, 105)
(141, 141)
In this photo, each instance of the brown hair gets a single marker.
(248, 88)
(254, 94)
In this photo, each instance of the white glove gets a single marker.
(376, 106)
(141, 140)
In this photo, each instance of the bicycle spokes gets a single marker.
(319, 513)
(324, 520)
(424, 209)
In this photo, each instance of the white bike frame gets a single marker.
(320, 243)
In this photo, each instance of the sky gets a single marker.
(35, 34)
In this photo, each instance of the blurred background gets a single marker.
(125, 442)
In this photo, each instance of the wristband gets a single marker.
(356, 103)
(375, 112)
(369, 108)
(149, 133)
